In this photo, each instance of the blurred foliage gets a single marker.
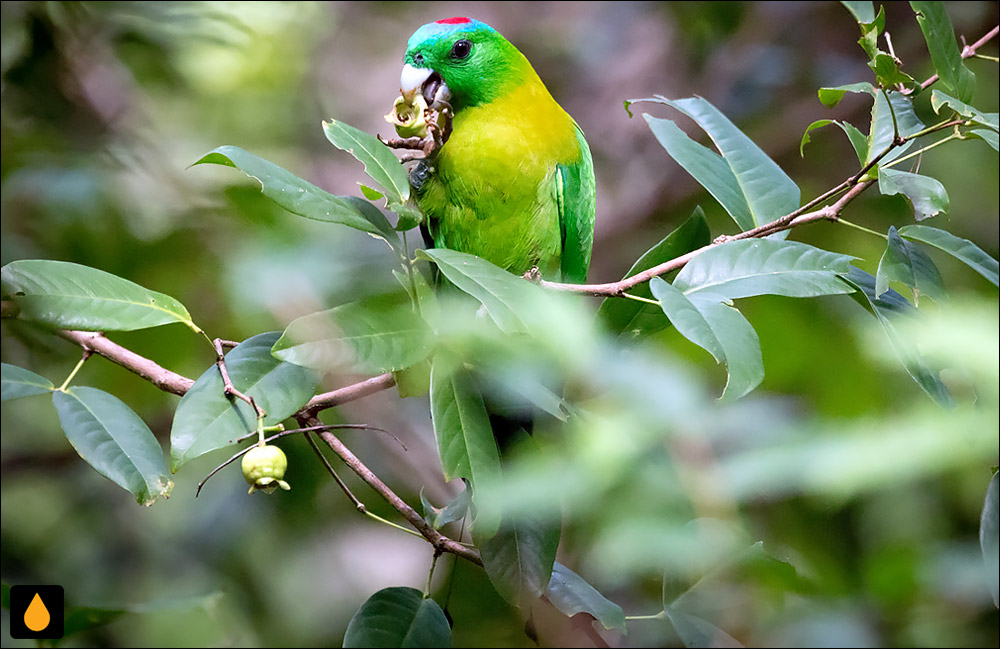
(865, 495)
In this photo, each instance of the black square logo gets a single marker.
(36, 612)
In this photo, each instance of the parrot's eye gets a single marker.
(461, 49)
(418, 58)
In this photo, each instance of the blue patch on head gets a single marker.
(433, 31)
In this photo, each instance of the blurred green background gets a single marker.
(105, 106)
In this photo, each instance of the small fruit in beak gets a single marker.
(407, 117)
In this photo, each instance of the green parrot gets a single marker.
(514, 181)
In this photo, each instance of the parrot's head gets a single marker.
(459, 62)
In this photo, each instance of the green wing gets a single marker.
(575, 197)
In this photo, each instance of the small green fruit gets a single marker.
(264, 467)
(408, 118)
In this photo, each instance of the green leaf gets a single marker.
(455, 510)
(939, 100)
(888, 73)
(371, 193)
(374, 335)
(114, 440)
(886, 308)
(461, 424)
(905, 262)
(863, 11)
(748, 267)
(857, 138)
(381, 164)
(962, 249)
(986, 135)
(301, 197)
(633, 319)
(741, 346)
(989, 540)
(398, 617)
(509, 299)
(830, 97)
(687, 319)
(18, 382)
(705, 166)
(767, 190)
(519, 558)
(697, 632)
(870, 32)
(696, 302)
(70, 296)
(882, 132)
(571, 594)
(409, 218)
(926, 194)
(206, 420)
(940, 36)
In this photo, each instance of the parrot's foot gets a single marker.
(533, 275)
(403, 143)
(722, 238)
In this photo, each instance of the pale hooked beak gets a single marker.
(428, 82)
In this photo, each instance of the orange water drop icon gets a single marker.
(37, 616)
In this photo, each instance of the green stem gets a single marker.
(659, 616)
(892, 113)
(65, 384)
(862, 228)
(430, 575)
(391, 524)
(953, 136)
(408, 267)
(639, 298)
(260, 431)
(211, 343)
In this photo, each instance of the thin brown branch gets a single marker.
(159, 376)
(228, 388)
(440, 542)
(612, 289)
(351, 392)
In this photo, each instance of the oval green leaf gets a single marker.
(378, 334)
(989, 538)
(961, 249)
(512, 302)
(571, 594)
(905, 262)
(887, 116)
(398, 617)
(114, 440)
(698, 632)
(943, 47)
(71, 296)
(206, 420)
(633, 319)
(749, 267)
(381, 164)
(301, 197)
(765, 188)
(926, 194)
(886, 308)
(705, 166)
(519, 557)
(18, 382)
(461, 424)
